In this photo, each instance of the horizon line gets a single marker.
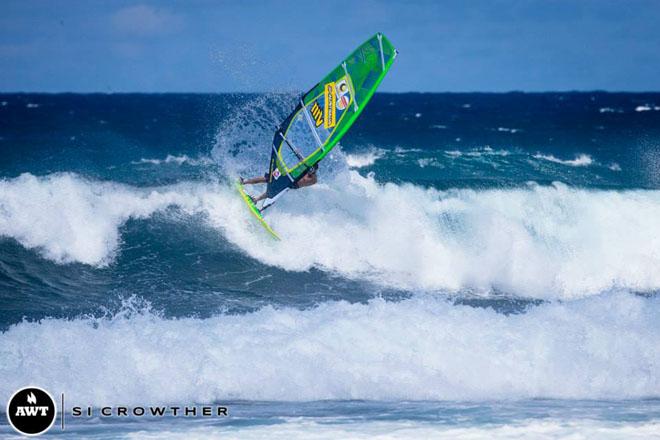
(447, 92)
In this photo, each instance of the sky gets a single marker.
(271, 46)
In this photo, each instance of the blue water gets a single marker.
(469, 264)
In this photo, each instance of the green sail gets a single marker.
(325, 113)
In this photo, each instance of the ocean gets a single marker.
(470, 265)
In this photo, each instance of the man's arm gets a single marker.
(308, 180)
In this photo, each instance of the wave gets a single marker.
(67, 218)
(364, 159)
(610, 110)
(505, 163)
(581, 160)
(542, 242)
(328, 428)
(428, 162)
(179, 160)
(422, 348)
(509, 130)
(647, 107)
(477, 152)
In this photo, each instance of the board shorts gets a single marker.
(294, 186)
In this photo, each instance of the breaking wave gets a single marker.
(540, 241)
(423, 348)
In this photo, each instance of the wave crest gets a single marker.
(422, 348)
(543, 242)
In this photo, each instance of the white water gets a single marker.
(330, 430)
(545, 242)
(70, 219)
(364, 159)
(178, 160)
(581, 160)
(423, 348)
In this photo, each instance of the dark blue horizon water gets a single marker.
(497, 249)
(101, 134)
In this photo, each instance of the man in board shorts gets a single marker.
(308, 179)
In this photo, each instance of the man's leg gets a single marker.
(254, 180)
(257, 199)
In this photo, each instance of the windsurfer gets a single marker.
(308, 179)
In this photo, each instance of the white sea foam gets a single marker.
(329, 429)
(427, 162)
(423, 348)
(179, 160)
(540, 241)
(487, 151)
(647, 108)
(477, 152)
(70, 219)
(581, 160)
(546, 242)
(361, 160)
(401, 150)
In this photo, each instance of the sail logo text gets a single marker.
(329, 110)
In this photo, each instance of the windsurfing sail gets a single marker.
(324, 114)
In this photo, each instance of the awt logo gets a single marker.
(31, 411)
